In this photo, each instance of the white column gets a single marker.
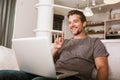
(45, 18)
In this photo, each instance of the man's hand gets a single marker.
(58, 42)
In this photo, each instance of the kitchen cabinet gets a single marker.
(109, 29)
(95, 29)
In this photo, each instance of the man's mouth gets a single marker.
(74, 28)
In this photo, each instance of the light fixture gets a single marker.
(87, 11)
(93, 2)
(111, 1)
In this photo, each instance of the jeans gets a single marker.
(20, 75)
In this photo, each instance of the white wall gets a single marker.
(113, 48)
(25, 18)
(65, 28)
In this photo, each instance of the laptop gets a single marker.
(34, 56)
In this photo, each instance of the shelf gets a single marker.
(111, 28)
(112, 34)
(91, 33)
(113, 21)
(95, 24)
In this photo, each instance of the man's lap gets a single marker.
(15, 75)
(20, 75)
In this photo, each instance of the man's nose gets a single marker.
(72, 24)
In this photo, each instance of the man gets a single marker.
(80, 53)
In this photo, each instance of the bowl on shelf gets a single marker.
(116, 27)
(119, 32)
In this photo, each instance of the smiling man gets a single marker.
(80, 53)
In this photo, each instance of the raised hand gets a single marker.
(58, 42)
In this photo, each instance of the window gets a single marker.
(57, 23)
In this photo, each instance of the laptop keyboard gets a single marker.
(58, 73)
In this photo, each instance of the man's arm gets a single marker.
(102, 68)
(54, 51)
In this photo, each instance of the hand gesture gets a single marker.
(58, 41)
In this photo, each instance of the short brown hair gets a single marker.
(80, 13)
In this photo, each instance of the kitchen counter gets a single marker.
(111, 40)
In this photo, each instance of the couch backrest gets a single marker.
(8, 59)
(113, 48)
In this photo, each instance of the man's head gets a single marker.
(82, 16)
(77, 22)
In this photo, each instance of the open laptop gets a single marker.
(34, 56)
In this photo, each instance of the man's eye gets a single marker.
(69, 23)
(75, 21)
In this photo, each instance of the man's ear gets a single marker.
(84, 24)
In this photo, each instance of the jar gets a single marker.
(116, 16)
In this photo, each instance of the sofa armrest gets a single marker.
(8, 59)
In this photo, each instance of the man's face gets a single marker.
(75, 24)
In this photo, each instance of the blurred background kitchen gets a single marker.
(25, 18)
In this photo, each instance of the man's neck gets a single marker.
(79, 36)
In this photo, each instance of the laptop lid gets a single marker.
(34, 56)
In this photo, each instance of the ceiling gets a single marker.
(77, 3)
(96, 5)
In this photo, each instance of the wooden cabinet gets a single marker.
(95, 29)
(109, 29)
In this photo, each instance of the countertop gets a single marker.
(111, 40)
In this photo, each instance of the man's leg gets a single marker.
(68, 78)
(42, 78)
(71, 78)
(20, 75)
(15, 75)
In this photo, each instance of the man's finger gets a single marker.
(54, 36)
(62, 36)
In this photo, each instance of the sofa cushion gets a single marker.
(113, 49)
(7, 59)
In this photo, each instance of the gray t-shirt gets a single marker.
(79, 55)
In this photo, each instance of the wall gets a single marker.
(65, 28)
(25, 18)
(113, 48)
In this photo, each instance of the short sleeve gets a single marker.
(99, 49)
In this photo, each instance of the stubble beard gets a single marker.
(78, 32)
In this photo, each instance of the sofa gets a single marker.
(113, 48)
(8, 59)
